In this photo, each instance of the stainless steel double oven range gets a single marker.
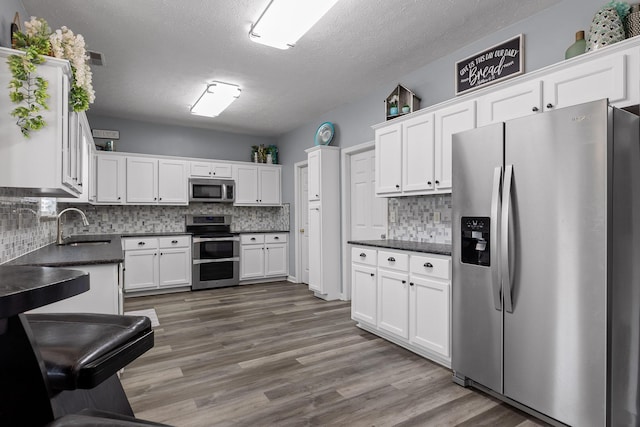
(216, 251)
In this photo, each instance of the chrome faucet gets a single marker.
(84, 221)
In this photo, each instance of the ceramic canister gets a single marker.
(606, 28)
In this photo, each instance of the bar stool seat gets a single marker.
(81, 350)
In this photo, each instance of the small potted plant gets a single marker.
(406, 108)
(393, 105)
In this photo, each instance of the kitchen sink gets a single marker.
(88, 243)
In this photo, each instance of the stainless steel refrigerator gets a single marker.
(546, 263)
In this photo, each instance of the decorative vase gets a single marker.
(606, 28)
(393, 111)
(578, 48)
(633, 21)
(406, 109)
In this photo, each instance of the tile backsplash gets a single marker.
(416, 218)
(23, 229)
(159, 219)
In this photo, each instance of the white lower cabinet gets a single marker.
(264, 256)
(156, 263)
(404, 297)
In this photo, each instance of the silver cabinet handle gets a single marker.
(428, 265)
(363, 255)
(391, 259)
(493, 253)
(504, 237)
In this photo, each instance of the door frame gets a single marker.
(297, 168)
(345, 183)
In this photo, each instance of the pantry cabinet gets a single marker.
(324, 222)
(264, 256)
(257, 185)
(404, 297)
(156, 263)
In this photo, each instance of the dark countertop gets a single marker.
(405, 245)
(24, 288)
(259, 231)
(54, 255)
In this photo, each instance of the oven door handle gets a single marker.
(215, 239)
(208, 261)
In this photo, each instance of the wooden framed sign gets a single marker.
(497, 63)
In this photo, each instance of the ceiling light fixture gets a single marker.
(283, 22)
(215, 99)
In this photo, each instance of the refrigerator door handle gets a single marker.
(495, 212)
(504, 237)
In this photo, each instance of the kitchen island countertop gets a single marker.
(406, 245)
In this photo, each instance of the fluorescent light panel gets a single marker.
(284, 21)
(215, 99)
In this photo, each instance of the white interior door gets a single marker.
(368, 212)
(304, 223)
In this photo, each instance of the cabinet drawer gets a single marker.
(393, 260)
(140, 243)
(431, 266)
(175, 242)
(248, 239)
(275, 238)
(363, 256)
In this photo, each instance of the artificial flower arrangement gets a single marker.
(30, 91)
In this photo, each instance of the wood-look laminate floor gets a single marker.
(273, 354)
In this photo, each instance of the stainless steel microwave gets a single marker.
(211, 190)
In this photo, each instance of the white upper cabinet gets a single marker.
(110, 179)
(448, 121)
(156, 181)
(510, 103)
(201, 169)
(417, 154)
(313, 176)
(389, 159)
(40, 165)
(258, 185)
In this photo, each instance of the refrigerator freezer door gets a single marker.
(555, 338)
(477, 314)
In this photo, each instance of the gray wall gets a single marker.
(7, 11)
(153, 138)
(547, 36)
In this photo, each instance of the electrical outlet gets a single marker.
(105, 217)
(392, 215)
(436, 217)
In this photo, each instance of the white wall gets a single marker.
(547, 36)
(7, 12)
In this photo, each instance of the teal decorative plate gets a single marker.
(324, 134)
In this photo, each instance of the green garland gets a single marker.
(25, 88)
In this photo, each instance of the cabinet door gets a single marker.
(276, 259)
(448, 121)
(315, 249)
(588, 81)
(246, 185)
(364, 294)
(141, 269)
(516, 101)
(172, 182)
(270, 187)
(110, 177)
(70, 154)
(389, 159)
(314, 175)
(142, 182)
(200, 170)
(430, 315)
(393, 302)
(221, 170)
(417, 154)
(251, 261)
(175, 267)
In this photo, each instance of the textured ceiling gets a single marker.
(159, 54)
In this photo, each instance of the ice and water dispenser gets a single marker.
(476, 243)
